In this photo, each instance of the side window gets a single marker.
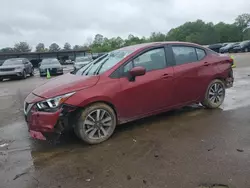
(127, 67)
(152, 60)
(200, 53)
(184, 54)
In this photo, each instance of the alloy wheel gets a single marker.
(98, 124)
(216, 93)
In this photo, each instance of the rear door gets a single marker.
(150, 92)
(191, 72)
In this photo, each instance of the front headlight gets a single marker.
(53, 103)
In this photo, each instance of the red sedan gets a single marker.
(128, 84)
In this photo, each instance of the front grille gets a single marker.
(52, 70)
(6, 69)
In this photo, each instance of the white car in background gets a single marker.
(82, 61)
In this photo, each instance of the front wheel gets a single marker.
(96, 123)
(24, 76)
(32, 72)
(215, 94)
(246, 49)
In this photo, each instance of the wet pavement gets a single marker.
(191, 147)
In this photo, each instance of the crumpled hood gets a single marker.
(65, 84)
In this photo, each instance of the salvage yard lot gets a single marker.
(183, 148)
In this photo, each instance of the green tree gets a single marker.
(243, 22)
(76, 47)
(40, 47)
(157, 37)
(22, 47)
(228, 32)
(246, 34)
(54, 47)
(67, 46)
(7, 50)
(98, 39)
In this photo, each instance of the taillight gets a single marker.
(231, 60)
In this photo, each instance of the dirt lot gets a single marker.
(191, 147)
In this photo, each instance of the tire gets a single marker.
(93, 130)
(1, 79)
(32, 72)
(24, 76)
(246, 50)
(215, 100)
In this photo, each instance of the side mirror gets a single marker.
(136, 71)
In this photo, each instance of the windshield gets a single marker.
(49, 62)
(83, 59)
(103, 63)
(13, 62)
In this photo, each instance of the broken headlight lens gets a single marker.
(53, 103)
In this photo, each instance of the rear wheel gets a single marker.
(215, 94)
(96, 124)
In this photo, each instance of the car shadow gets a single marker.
(70, 139)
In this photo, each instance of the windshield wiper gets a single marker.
(100, 67)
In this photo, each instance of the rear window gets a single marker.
(200, 53)
(184, 54)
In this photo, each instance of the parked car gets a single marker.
(228, 48)
(128, 84)
(242, 47)
(215, 47)
(68, 62)
(52, 65)
(82, 61)
(16, 68)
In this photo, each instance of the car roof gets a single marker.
(151, 44)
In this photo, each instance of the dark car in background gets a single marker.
(228, 48)
(215, 47)
(244, 46)
(82, 61)
(52, 65)
(16, 68)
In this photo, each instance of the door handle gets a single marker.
(165, 76)
(206, 64)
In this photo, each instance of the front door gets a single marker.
(150, 92)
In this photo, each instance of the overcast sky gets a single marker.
(77, 21)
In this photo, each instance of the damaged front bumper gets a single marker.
(48, 125)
